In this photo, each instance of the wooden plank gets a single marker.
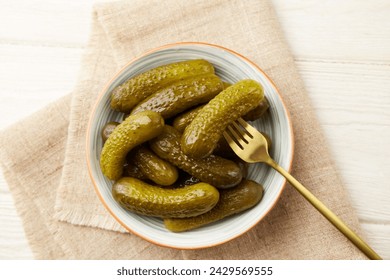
(378, 236)
(32, 76)
(352, 102)
(348, 30)
(42, 22)
(27, 68)
(13, 243)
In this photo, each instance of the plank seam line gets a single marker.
(332, 61)
(38, 43)
(374, 222)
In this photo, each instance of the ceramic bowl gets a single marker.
(231, 67)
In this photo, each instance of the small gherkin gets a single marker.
(125, 96)
(214, 170)
(142, 198)
(201, 136)
(231, 201)
(133, 131)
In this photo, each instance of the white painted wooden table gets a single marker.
(342, 50)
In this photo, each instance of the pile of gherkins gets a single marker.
(168, 157)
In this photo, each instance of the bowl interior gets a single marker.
(231, 67)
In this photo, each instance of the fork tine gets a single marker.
(236, 137)
(243, 132)
(253, 133)
(250, 130)
(233, 144)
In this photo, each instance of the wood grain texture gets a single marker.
(13, 243)
(45, 23)
(32, 76)
(348, 30)
(353, 102)
(342, 51)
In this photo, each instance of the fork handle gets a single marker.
(327, 213)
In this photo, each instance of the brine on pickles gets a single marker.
(142, 198)
(125, 96)
(201, 136)
(181, 95)
(214, 170)
(231, 201)
(132, 132)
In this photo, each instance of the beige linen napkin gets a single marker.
(44, 162)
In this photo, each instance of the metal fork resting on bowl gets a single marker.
(251, 146)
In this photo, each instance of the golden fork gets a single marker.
(251, 146)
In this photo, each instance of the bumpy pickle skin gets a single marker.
(255, 113)
(232, 201)
(125, 96)
(132, 132)
(214, 170)
(142, 198)
(154, 168)
(181, 95)
(202, 135)
(183, 120)
(131, 170)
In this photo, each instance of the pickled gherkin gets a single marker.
(258, 111)
(202, 135)
(183, 120)
(132, 132)
(125, 96)
(108, 129)
(155, 169)
(181, 95)
(131, 170)
(231, 201)
(142, 198)
(214, 170)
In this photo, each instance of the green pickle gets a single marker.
(258, 111)
(132, 132)
(125, 96)
(108, 129)
(184, 119)
(181, 95)
(231, 201)
(132, 170)
(142, 198)
(202, 135)
(215, 170)
(155, 169)
(226, 85)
